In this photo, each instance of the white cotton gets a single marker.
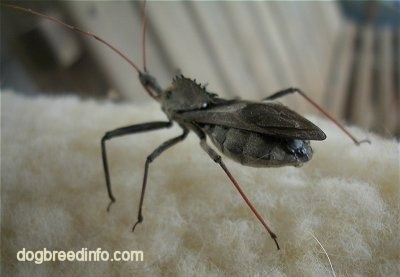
(195, 223)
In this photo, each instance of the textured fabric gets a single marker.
(195, 223)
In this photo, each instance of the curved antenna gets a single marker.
(144, 31)
(89, 34)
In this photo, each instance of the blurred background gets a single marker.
(343, 54)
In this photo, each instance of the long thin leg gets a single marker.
(318, 107)
(128, 130)
(217, 158)
(169, 143)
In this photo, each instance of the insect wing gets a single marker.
(270, 118)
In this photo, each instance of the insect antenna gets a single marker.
(148, 81)
(144, 31)
(94, 36)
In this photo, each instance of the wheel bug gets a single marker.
(258, 134)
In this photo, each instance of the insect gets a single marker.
(258, 134)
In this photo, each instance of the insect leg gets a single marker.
(133, 129)
(169, 143)
(318, 107)
(217, 158)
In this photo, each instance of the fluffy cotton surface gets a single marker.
(195, 223)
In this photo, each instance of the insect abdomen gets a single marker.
(254, 149)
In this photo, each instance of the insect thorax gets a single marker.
(185, 95)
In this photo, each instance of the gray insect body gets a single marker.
(258, 134)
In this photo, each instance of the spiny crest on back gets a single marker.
(180, 80)
(186, 94)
